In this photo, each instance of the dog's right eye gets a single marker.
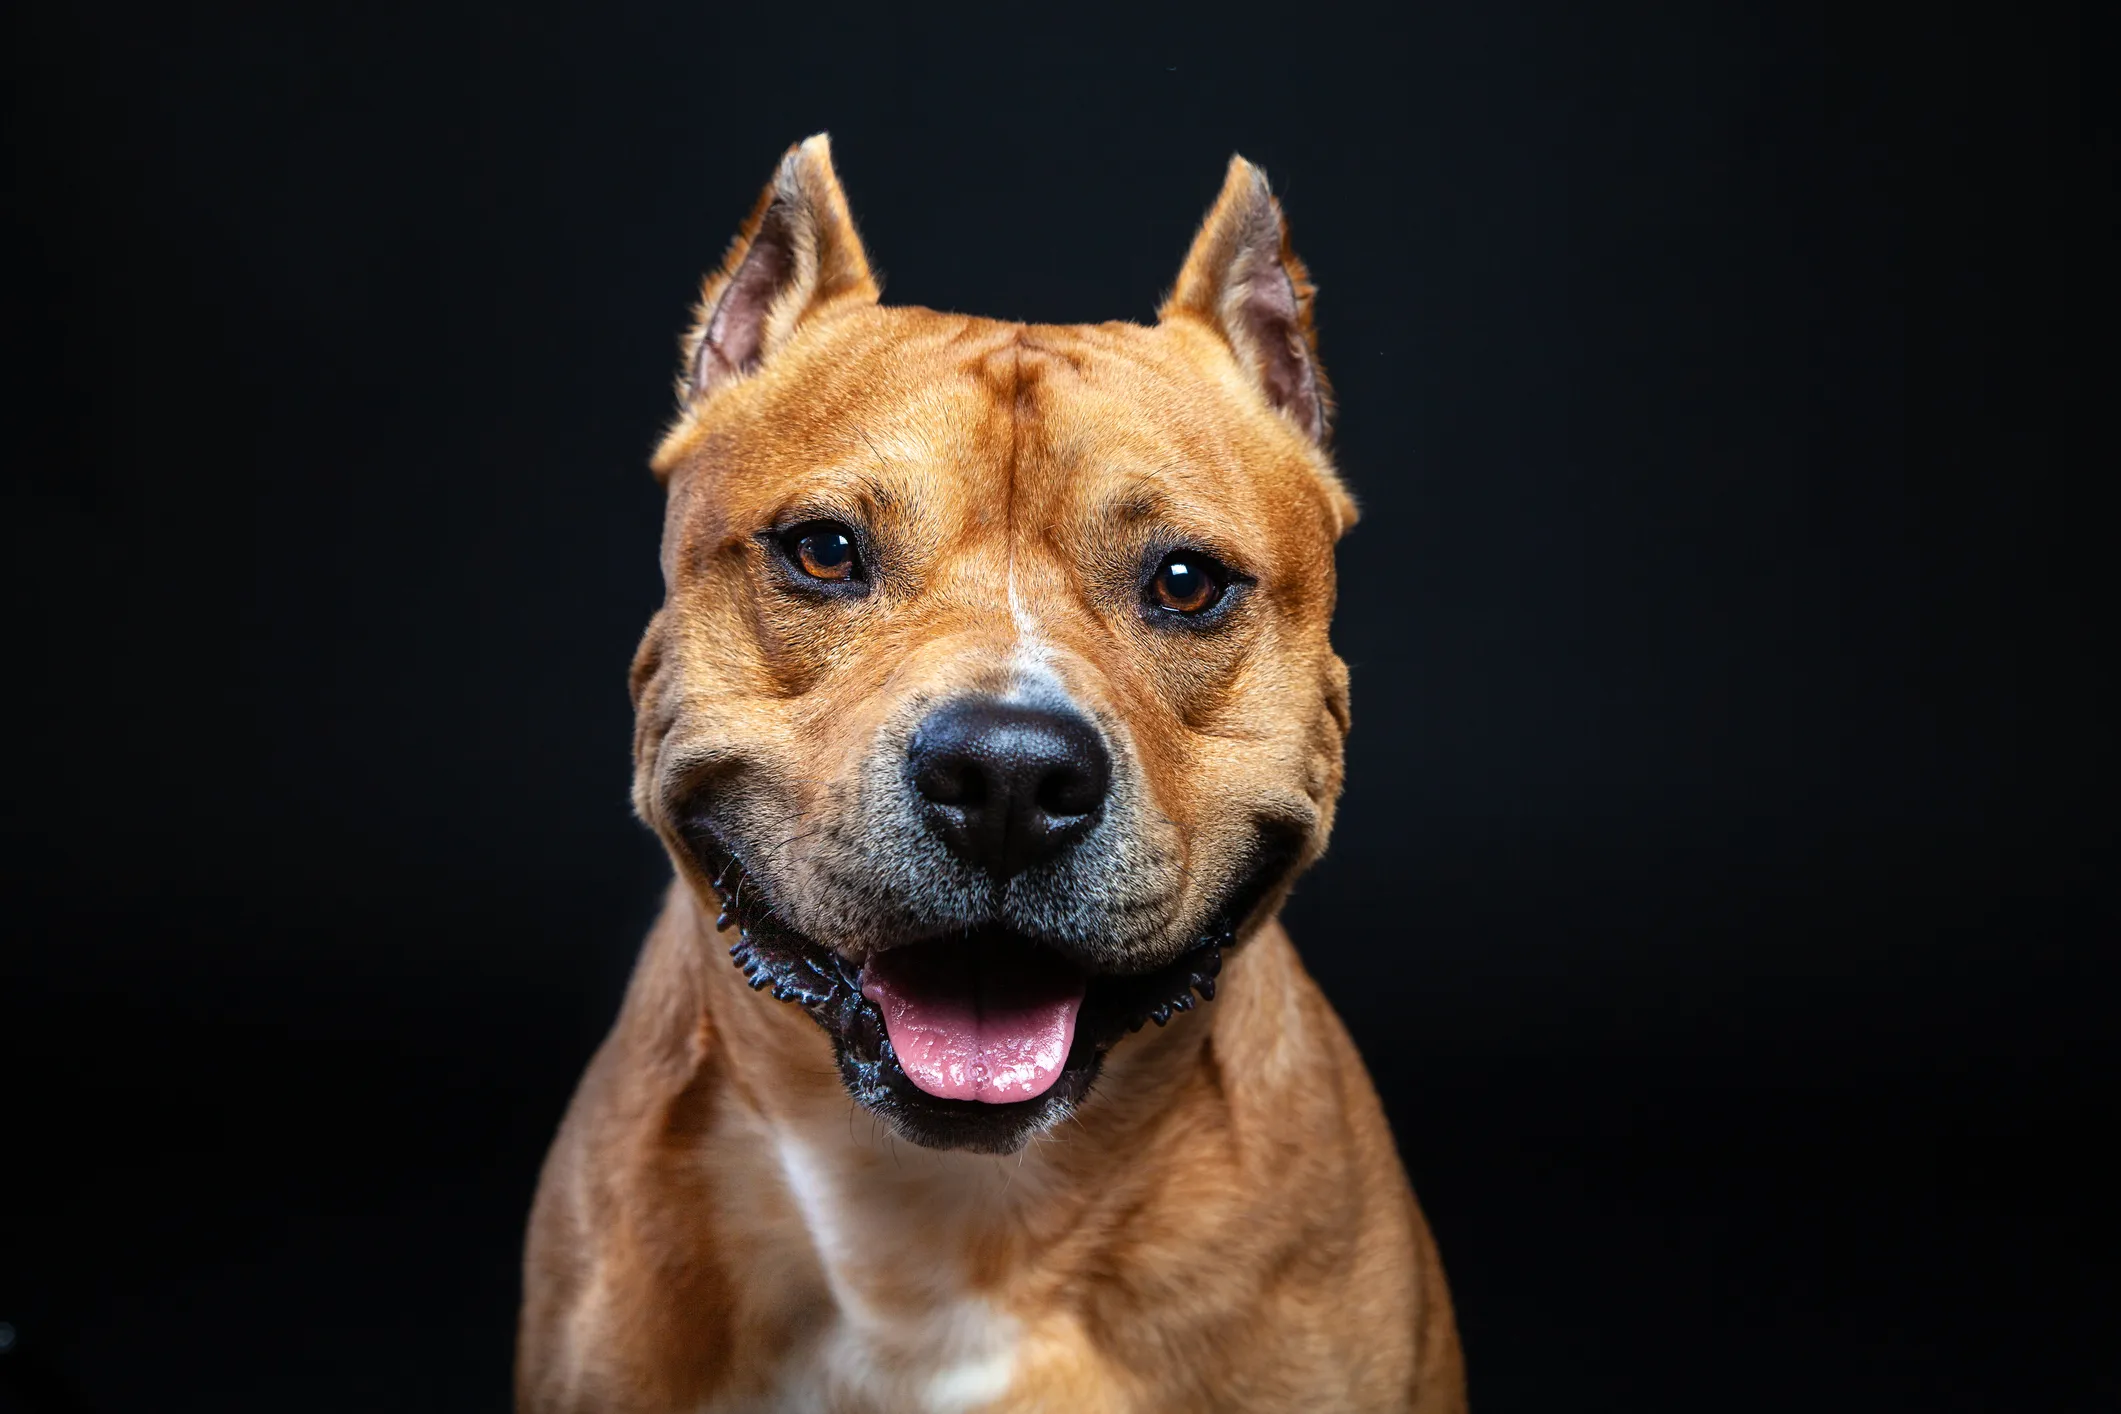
(823, 550)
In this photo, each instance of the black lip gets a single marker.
(828, 986)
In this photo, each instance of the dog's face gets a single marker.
(992, 693)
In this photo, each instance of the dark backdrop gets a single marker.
(1722, 894)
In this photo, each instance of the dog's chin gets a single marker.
(978, 1041)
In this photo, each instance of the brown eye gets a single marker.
(1187, 582)
(824, 550)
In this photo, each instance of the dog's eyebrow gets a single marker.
(1143, 502)
(1139, 503)
(875, 494)
(872, 488)
(856, 495)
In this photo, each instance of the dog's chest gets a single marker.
(906, 1332)
(951, 1362)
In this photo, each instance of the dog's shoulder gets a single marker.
(623, 1268)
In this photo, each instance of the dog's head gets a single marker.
(991, 698)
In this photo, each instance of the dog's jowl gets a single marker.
(988, 716)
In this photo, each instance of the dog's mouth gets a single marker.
(980, 1019)
(974, 1041)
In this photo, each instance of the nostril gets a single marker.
(950, 780)
(1069, 792)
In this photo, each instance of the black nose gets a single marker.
(1008, 786)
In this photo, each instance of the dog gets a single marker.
(987, 719)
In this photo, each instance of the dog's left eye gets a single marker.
(1188, 582)
(823, 549)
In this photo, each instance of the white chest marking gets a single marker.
(932, 1347)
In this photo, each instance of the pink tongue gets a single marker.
(992, 1024)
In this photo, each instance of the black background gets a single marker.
(1723, 891)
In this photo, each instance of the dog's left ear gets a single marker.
(1242, 280)
(797, 254)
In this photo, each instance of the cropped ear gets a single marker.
(1242, 280)
(796, 254)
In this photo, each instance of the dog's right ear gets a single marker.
(797, 254)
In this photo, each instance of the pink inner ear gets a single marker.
(1268, 308)
(1273, 327)
(738, 325)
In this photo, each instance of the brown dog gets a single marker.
(991, 709)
